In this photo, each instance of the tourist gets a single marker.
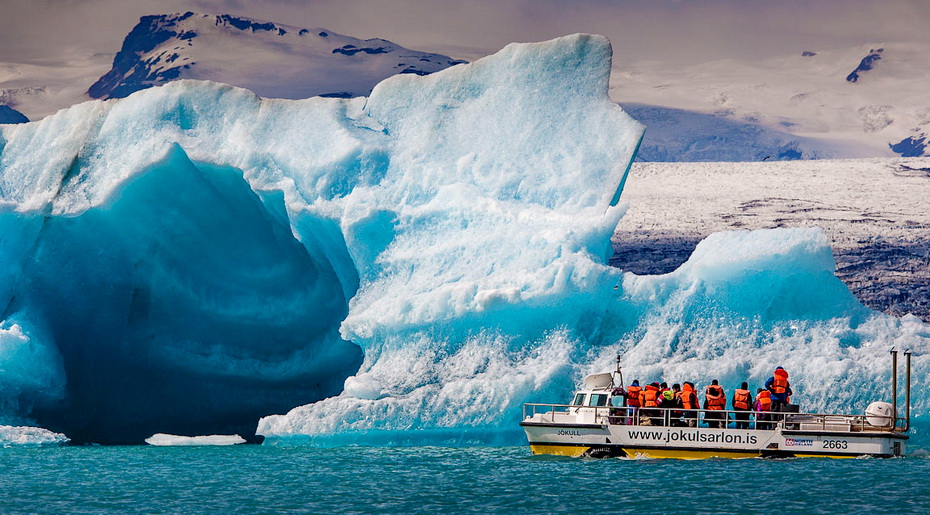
(715, 399)
(742, 404)
(689, 403)
(762, 406)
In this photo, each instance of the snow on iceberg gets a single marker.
(194, 256)
(25, 436)
(166, 440)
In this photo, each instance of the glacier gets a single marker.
(404, 268)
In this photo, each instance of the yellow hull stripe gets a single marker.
(576, 451)
(686, 455)
(559, 450)
(834, 456)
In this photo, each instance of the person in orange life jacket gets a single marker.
(689, 403)
(668, 401)
(780, 388)
(649, 398)
(715, 399)
(762, 406)
(630, 400)
(618, 399)
(632, 394)
(742, 404)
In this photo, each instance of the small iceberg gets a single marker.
(163, 439)
(11, 436)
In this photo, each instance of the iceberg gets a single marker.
(404, 268)
(166, 440)
(26, 436)
(193, 257)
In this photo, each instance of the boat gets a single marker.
(593, 426)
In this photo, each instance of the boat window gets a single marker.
(579, 399)
(598, 399)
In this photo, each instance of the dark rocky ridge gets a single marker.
(10, 115)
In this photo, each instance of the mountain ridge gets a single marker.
(271, 59)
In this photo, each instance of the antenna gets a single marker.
(907, 388)
(619, 372)
(894, 387)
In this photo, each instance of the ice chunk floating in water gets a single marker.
(24, 436)
(165, 440)
(414, 265)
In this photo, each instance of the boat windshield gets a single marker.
(598, 399)
(579, 399)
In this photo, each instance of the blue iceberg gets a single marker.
(408, 267)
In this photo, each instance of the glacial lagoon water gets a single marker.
(263, 479)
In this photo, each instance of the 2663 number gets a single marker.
(835, 444)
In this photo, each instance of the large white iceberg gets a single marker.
(186, 256)
(419, 263)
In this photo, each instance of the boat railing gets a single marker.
(734, 419)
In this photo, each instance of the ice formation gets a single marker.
(183, 258)
(25, 436)
(414, 265)
(166, 440)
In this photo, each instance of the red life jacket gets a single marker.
(648, 398)
(741, 399)
(687, 398)
(716, 399)
(765, 400)
(632, 396)
(780, 381)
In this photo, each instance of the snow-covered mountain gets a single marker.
(866, 101)
(273, 60)
(863, 101)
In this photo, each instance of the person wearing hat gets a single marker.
(780, 388)
(668, 402)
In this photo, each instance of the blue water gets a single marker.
(259, 479)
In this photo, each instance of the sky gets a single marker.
(673, 31)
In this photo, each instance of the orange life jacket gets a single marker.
(780, 381)
(648, 398)
(632, 396)
(741, 399)
(716, 399)
(687, 398)
(765, 400)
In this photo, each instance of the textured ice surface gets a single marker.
(11, 436)
(187, 255)
(166, 440)
(744, 303)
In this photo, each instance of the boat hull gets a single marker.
(596, 440)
